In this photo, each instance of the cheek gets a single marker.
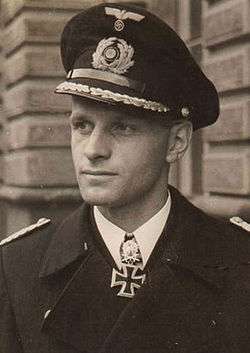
(75, 150)
(145, 159)
(74, 155)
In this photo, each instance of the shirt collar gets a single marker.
(146, 235)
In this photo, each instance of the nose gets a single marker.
(97, 146)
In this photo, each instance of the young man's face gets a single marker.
(119, 159)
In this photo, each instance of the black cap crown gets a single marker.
(123, 54)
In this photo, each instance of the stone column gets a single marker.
(2, 208)
(226, 172)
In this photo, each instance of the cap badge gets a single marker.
(122, 15)
(113, 54)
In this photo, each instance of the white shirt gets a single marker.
(146, 235)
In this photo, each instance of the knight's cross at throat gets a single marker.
(130, 279)
(131, 276)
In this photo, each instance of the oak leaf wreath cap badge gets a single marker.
(113, 54)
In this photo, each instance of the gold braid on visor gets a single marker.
(71, 87)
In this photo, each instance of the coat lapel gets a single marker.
(82, 308)
(75, 317)
(166, 312)
(61, 277)
(68, 243)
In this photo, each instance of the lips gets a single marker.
(98, 172)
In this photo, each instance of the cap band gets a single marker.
(108, 77)
(71, 88)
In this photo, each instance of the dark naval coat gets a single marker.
(55, 294)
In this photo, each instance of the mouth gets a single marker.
(98, 173)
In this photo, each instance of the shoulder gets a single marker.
(22, 253)
(197, 218)
(223, 241)
(25, 231)
(216, 226)
(222, 228)
(240, 223)
(27, 243)
(213, 239)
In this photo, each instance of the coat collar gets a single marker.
(68, 243)
(183, 244)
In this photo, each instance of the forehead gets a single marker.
(87, 106)
(84, 107)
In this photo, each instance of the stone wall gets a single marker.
(226, 58)
(38, 180)
(2, 208)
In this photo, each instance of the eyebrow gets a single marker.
(77, 115)
(115, 117)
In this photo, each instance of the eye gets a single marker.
(82, 126)
(124, 128)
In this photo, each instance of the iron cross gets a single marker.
(128, 279)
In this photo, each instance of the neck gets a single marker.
(130, 217)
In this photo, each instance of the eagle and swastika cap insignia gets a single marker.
(121, 16)
(126, 56)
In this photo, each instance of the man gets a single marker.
(136, 268)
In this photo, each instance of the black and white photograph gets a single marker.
(125, 176)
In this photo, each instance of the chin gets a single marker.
(98, 198)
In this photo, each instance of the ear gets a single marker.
(179, 139)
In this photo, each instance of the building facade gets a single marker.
(36, 171)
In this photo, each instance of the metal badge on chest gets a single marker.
(131, 276)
